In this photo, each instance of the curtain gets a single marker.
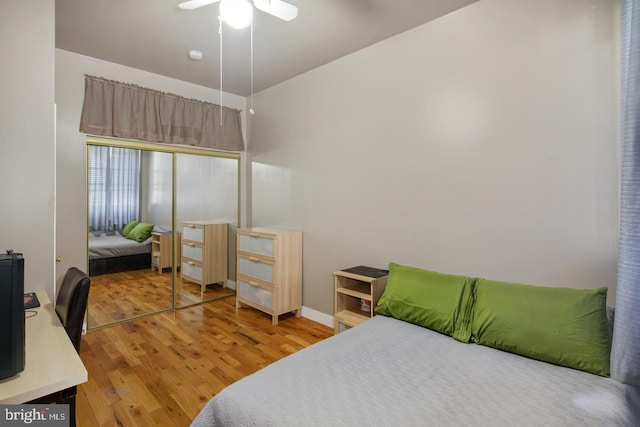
(128, 111)
(625, 350)
(114, 187)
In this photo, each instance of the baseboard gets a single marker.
(317, 316)
(306, 312)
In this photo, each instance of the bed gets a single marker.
(391, 372)
(115, 253)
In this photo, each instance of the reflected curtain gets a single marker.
(114, 187)
(128, 111)
(625, 351)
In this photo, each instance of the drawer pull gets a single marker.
(191, 244)
(191, 263)
(191, 226)
(252, 283)
(253, 259)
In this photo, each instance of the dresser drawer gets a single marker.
(255, 268)
(193, 232)
(257, 244)
(194, 252)
(191, 270)
(256, 294)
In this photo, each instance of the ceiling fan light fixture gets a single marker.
(236, 13)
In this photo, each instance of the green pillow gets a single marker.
(437, 301)
(127, 228)
(141, 232)
(563, 326)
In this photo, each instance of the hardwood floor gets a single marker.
(119, 296)
(161, 370)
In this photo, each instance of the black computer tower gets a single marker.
(12, 341)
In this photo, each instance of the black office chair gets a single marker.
(71, 305)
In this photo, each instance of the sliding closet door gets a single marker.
(189, 200)
(207, 197)
(131, 275)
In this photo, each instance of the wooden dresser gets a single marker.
(270, 270)
(204, 253)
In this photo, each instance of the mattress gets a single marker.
(387, 372)
(116, 246)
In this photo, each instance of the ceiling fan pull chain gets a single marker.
(251, 110)
(220, 32)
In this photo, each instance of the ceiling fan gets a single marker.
(278, 8)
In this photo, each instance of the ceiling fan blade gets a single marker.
(194, 4)
(277, 8)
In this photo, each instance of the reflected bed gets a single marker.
(115, 253)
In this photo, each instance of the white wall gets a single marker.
(27, 137)
(70, 69)
(157, 193)
(483, 143)
(207, 189)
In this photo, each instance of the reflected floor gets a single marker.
(118, 296)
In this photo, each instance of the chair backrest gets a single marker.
(71, 303)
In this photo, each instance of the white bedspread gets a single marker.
(387, 372)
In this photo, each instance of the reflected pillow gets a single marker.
(127, 228)
(563, 326)
(437, 301)
(141, 232)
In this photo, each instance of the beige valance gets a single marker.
(128, 111)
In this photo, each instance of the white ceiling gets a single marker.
(155, 36)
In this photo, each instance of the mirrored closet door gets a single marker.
(161, 222)
(207, 213)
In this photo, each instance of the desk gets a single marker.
(52, 363)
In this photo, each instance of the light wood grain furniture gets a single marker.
(161, 250)
(204, 253)
(52, 363)
(357, 291)
(270, 270)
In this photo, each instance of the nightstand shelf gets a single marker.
(357, 291)
(350, 318)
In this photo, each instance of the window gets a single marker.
(114, 187)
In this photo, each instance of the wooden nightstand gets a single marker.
(357, 291)
(160, 251)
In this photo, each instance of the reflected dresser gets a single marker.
(204, 253)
